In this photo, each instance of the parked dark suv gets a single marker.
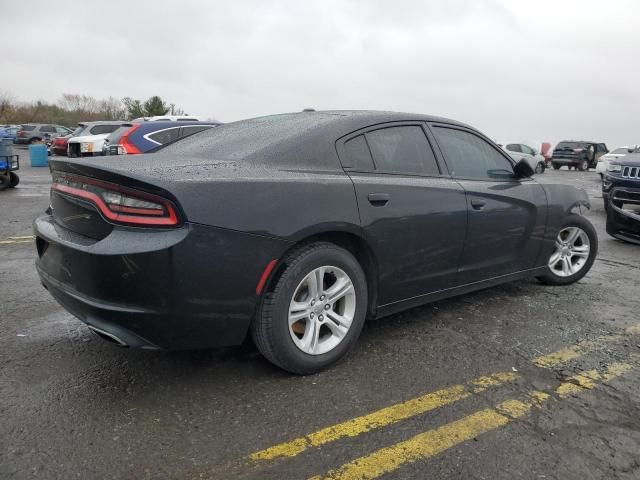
(578, 154)
(621, 194)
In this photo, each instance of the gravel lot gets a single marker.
(74, 406)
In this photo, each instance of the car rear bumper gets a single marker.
(187, 288)
(623, 214)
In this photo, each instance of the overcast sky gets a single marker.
(517, 70)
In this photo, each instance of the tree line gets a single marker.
(73, 108)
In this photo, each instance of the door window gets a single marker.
(527, 149)
(191, 129)
(514, 147)
(357, 155)
(470, 156)
(48, 129)
(402, 149)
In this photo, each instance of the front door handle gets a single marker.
(379, 199)
(477, 204)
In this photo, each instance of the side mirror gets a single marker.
(522, 169)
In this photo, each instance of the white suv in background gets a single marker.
(89, 141)
(520, 151)
(603, 161)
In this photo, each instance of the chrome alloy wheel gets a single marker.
(571, 252)
(321, 310)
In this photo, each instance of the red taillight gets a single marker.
(129, 147)
(119, 204)
(21, 133)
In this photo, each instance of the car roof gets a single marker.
(280, 139)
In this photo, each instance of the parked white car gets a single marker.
(89, 141)
(603, 161)
(519, 151)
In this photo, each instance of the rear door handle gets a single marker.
(477, 204)
(379, 199)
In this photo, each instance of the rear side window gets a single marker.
(102, 129)
(28, 128)
(470, 156)
(48, 129)
(165, 136)
(357, 154)
(514, 147)
(190, 130)
(402, 150)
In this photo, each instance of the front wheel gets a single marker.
(583, 166)
(556, 166)
(540, 167)
(315, 312)
(573, 254)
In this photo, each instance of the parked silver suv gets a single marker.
(35, 132)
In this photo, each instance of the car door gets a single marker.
(507, 215)
(413, 214)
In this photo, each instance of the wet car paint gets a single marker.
(246, 203)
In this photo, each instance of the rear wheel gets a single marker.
(556, 166)
(315, 312)
(574, 252)
(34, 140)
(5, 182)
(583, 166)
(14, 179)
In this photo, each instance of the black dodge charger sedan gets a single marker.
(295, 228)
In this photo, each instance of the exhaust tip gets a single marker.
(110, 337)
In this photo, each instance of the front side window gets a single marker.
(402, 149)
(527, 149)
(48, 129)
(470, 156)
(165, 136)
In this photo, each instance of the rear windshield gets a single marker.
(620, 150)
(28, 128)
(571, 145)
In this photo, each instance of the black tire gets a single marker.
(556, 166)
(5, 182)
(270, 329)
(573, 220)
(34, 140)
(584, 166)
(14, 179)
(540, 167)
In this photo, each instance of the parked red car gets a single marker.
(59, 145)
(546, 151)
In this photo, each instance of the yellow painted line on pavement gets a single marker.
(385, 416)
(425, 403)
(575, 351)
(17, 239)
(11, 242)
(433, 442)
